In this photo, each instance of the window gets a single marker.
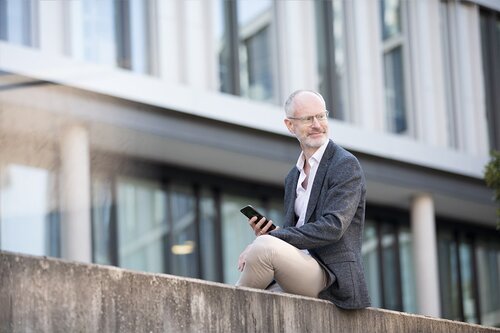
(387, 258)
(393, 56)
(18, 22)
(155, 218)
(488, 270)
(98, 32)
(245, 39)
(115, 33)
(469, 270)
(141, 224)
(134, 35)
(490, 40)
(28, 226)
(332, 56)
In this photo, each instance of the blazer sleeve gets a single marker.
(337, 204)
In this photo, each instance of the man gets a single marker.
(317, 253)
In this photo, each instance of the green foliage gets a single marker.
(492, 178)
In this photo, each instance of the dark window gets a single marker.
(394, 43)
(469, 271)
(156, 218)
(490, 40)
(246, 46)
(332, 57)
(387, 256)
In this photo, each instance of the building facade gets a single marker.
(132, 132)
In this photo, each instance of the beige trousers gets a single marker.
(295, 271)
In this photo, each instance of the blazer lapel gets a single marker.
(290, 203)
(319, 179)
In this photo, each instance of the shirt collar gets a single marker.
(315, 158)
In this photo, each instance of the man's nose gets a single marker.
(315, 122)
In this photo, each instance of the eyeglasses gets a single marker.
(321, 117)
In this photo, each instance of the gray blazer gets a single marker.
(333, 228)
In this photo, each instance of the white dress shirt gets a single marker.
(302, 194)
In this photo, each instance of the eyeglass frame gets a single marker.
(309, 120)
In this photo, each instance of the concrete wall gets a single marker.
(47, 295)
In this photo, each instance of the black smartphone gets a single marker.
(250, 212)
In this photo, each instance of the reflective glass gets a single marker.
(208, 236)
(407, 271)
(467, 279)
(139, 36)
(183, 246)
(256, 56)
(371, 264)
(102, 202)
(16, 20)
(448, 276)
(391, 18)
(236, 233)
(395, 91)
(390, 272)
(28, 218)
(488, 265)
(223, 45)
(141, 223)
(99, 31)
(331, 53)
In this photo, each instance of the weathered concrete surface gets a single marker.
(47, 295)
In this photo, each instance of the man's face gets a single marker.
(311, 135)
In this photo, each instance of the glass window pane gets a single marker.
(390, 268)
(141, 221)
(236, 233)
(99, 33)
(448, 276)
(391, 18)
(395, 90)
(223, 45)
(488, 265)
(467, 279)
(139, 35)
(275, 212)
(102, 202)
(16, 20)
(332, 56)
(255, 19)
(371, 264)
(183, 252)
(407, 271)
(28, 226)
(208, 237)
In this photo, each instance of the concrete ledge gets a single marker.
(39, 294)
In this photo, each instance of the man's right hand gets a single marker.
(256, 225)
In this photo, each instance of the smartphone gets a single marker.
(250, 212)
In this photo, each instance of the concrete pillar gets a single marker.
(76, 240)
(423, 226)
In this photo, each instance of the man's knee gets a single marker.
(266, 244)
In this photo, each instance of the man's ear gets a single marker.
(289, 125)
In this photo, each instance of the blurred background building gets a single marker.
(132, 132)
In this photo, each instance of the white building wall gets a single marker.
(428, 98)
(296, 48)
(365, 65)
(52, 29)
(471, 113)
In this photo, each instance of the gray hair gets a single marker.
(289, 103)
